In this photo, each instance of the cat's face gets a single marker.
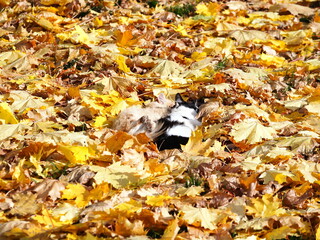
(184, 112)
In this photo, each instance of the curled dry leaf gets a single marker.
(48, 188)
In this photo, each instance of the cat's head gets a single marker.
(184, 111)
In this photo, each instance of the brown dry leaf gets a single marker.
(48, 188)
(25, 204)
(291, 198)
(242, 36)
(80, 175)
(8, 226)
(295, 9)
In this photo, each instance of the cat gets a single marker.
(168, 125)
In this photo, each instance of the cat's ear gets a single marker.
(179, 99)
(198, 103)
(162, 98)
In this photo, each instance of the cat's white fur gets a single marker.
(187, 117)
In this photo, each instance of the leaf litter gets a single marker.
(68, 69)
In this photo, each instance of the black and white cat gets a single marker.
(168, 126)
(176, 128)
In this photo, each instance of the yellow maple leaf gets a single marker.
(47, 219)
(100, 192)
(197, 56)
(195, 145)
(172, 230)
(271, 60)
(204, 217)
(121, 61)
(298, 144)
(242, 36)
(77, 192)
(72, 191)
(55, 2)
(6, 114)
(266, 207)
(251, 131)
(118, 106)
(191, 191)
(167, 68)
(210, 9)
(119, 176)
(279, 154)
(75, 154)
(318, 233)
(157, 201)
(181, 29)
(131, 206)
(66, 212)
(280, 233)
(19, 173)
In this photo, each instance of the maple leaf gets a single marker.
(77, 192)
(66, 212)
(195, 145)
(204, 217)
(131, 206)
(125, 227)
(119, 176)
(8, 226)
(298, 144)
(245, 79)
(48, 188)
(242, 36)
(268, 206)
(121, 61)
(251, 131)
(11, 130)
(75, 154)
(19, 173)
(167, 69)
(157, 201)
(295, 9)
(47, 220)
(25, 204)
(280, 233)
(276, 175)
(191, 191)
(171, 231)
(125, 38)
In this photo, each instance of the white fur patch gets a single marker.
(179, 130)
(182, 112)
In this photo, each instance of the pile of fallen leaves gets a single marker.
(251, 171)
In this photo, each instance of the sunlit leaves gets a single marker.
(251, 131)
(69, 68)
(6, 114)
(204, 217)
(267, 206)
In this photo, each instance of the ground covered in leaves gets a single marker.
(251, 171)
